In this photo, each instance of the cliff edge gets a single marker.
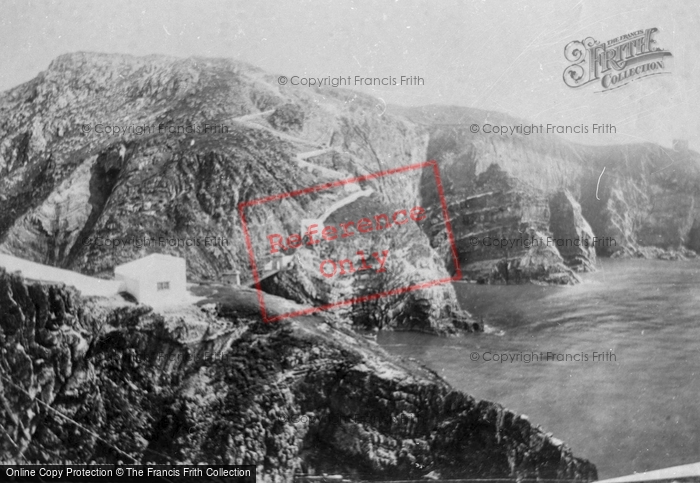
(88, 380)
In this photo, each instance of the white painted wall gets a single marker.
(141, 278)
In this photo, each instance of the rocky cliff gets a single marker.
(106, 158)
(87, 380)
(409, 261)
(196, 137)
(103, 154)
(539, 190)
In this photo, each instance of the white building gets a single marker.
(278, 263)
(232, 277)
(155, 280)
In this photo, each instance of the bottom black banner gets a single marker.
(128, 473)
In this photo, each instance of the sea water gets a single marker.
(633, 409)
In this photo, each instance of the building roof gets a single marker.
(136, 267)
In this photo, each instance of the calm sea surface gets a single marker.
(637, 411)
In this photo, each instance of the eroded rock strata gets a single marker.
(105, 158)
(539, 186)
(214, 384)
(103, 154)
(161, 164)
(409, 261)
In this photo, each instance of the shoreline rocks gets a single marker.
(301, 395)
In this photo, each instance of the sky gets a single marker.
(506, 56)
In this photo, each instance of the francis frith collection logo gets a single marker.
(615, 63)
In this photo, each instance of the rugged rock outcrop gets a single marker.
(104, 158)
(161, 164)
(648, 199)
(500, 186)
(214, 384)
(572, 235)
(501, 233)
(171, 152)
(409, 261)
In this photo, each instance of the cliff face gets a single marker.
(100, 152)
(650, 199)
(67, 186)
(106, 158)
(542, 189)
(409, 260)
(567, 223)
(83, 381)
